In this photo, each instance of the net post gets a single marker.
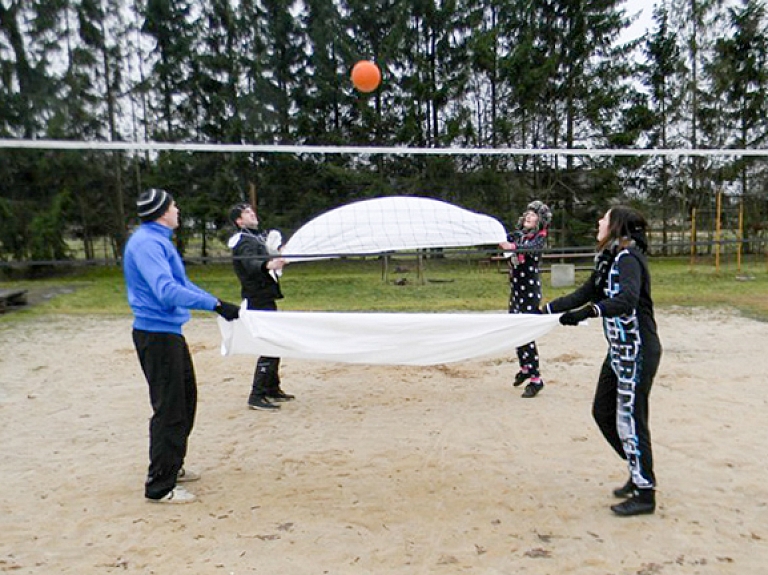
(385, 268)
(420, 268)
(693, 237)
(718, 208)
(740, 235)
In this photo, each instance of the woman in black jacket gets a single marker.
(619, 292)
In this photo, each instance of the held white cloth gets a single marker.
(380, 338)
(389, 224)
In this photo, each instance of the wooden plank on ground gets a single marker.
(12, 298)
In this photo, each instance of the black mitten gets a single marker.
(576, 316)
(228, 311)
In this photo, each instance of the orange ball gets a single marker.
(366, 76)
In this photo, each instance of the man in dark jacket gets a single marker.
(259, 271)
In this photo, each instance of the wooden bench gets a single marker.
(12, 298)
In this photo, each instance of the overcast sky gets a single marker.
(644, 22)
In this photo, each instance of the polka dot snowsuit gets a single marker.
(525, 287)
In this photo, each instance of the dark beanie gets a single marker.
(152, 204)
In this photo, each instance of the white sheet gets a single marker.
(380, 338)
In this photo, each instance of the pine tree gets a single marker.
(739, 76)
(659, 73)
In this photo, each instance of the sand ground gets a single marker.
(382, 469)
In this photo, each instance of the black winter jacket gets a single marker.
(258, 285)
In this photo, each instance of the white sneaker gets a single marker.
(177, 495)
(186, 475)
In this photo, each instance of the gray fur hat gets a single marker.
(542, 210)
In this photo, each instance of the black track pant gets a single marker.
(266, 378)
(621, 413)
(167, 365)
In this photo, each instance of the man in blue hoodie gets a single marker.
(160, 295)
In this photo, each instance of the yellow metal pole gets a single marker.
(717, 232)
(693, 237)
(740, 235)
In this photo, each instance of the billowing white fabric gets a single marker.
(380, 338)
(389, 224)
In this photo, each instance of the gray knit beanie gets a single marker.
(152, 204)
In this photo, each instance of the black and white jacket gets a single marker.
(251, 253)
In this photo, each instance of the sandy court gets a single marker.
(382, 469)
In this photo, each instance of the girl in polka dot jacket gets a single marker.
(523, 247)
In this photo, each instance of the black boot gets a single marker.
(280, 395)
(643, 502)
(261, 402)
(626, 490)
(532, 389)
(520, 377)
(274, 392)
(260, 388)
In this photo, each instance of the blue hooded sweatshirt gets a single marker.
(159, 291)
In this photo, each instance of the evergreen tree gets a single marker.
(28, 32)
(283, 55)
(323, 96)
(740, 83)
(31, 37)
(695, 25)
(169, 23)
(97, 62)
(662, 67)
(218, 178)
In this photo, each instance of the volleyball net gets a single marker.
(75, 201)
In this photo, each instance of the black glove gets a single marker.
(228, 311)
(577, 316)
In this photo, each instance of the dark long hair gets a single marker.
(626, 225)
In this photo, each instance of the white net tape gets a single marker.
(371, 150)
